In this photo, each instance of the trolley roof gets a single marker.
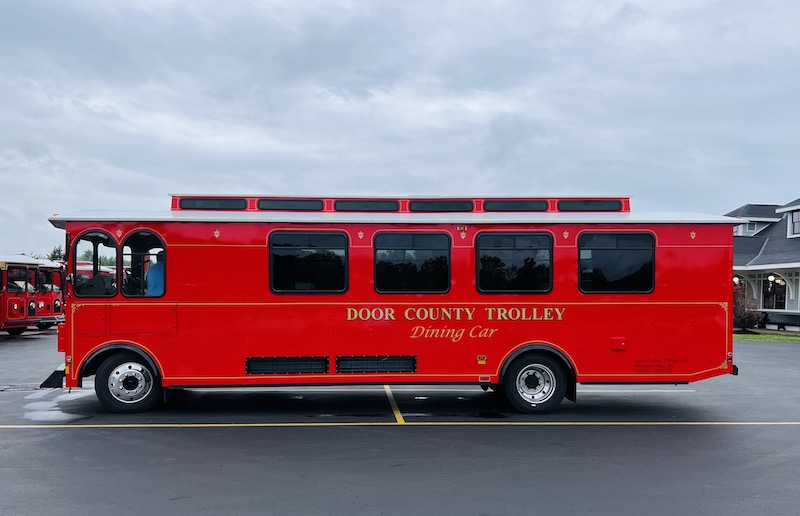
(394, 210)
(21, 259)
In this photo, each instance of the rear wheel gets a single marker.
(535, 384)
(125, 383)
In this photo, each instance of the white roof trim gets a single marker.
(788, 208)
(771, 266)
(758, 219)
(466, 218)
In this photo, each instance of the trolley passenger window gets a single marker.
(143, 265)
(412, 262)
(308, 262)
(95, 265)
(514, 262)
(617, 262)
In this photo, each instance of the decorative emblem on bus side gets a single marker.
(216, 233)
(693, 235)
(360, 235)
(119, 233)
(566, 234)
(463, 235)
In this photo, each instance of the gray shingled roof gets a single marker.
(745, 249)
(756, 211)
(777, 248)
(794, 203)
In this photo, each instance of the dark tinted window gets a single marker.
(440, 206)
(617, 262)
(308, 262)
(291, 204)
(367, 205)
(589, 205)
(520, 262)
(412, 262)
(209, 203)
(502, 205)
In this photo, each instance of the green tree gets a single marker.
(56, 254)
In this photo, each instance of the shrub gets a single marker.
(744, 313)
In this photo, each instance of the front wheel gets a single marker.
(535, 384)
(15, 331)
(126, 383)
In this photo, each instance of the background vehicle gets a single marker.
(49, 297)
(18, 303)
(527, 296)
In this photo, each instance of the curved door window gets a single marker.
(94, 265)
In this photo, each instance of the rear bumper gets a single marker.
(21, 324)
(50, 319)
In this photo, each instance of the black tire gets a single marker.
(535, 383)
(125, 383)
(44, 326)
(15, 331)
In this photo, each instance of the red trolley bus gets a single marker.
(528, 296)
(18, 303)
(49, 298)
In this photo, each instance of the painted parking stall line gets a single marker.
(395, 409)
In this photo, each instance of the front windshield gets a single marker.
(48, 281)
(18, 279)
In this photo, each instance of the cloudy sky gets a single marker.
(685, 105)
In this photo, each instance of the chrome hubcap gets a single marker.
(536, 383)
(130, 382)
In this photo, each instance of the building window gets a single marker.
(773, 293)
(794, 227)
(412, 262)
(617, 262)
(514, 262)
(308, 262)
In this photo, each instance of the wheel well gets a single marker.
(98, 357)
(542, 349)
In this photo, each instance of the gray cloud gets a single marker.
(683, 105)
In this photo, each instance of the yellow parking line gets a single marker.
(401, 421)
(397, 414)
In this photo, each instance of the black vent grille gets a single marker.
(376, 364)
(286, 365)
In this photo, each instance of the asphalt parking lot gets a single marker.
(728, 445)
